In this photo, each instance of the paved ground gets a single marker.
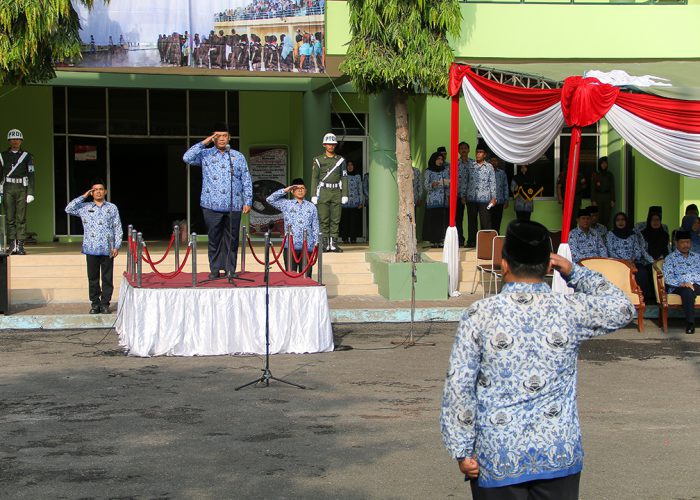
(80, 420)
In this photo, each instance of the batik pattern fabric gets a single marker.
(300, 216)
(438, 196)
(510, 392)
(679, 269)
(463, 176)
(102, 227)
(502, 191)
(600, 230)
(521, 203)
(355, 195)
(481, 185)
(631, 248)
(218, 179)
(584, 245)
(417, 186)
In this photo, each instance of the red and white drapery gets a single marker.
(519, 124)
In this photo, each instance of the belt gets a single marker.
(14, 180)
(331, 186)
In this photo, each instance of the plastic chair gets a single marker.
(484, 255)
(496, 269)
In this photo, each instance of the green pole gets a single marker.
(383, 189)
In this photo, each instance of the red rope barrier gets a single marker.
(311, 262)
(294, 254)
(250, 245)
(167, 250)
(167, 276)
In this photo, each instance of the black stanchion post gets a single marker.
(303, 254)
(129, 257)
(176, 235)
(319, 259)
(134, 238)
(244, 243)
(139, 250)
(193, 251)
(290, 257)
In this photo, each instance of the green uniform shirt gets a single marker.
(603, 183)
(24, 170)
(323, 164)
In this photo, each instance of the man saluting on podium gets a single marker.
(227, 191)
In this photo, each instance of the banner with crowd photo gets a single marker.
(268, 170)
(224, 35)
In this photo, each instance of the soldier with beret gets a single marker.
(509, 413)
(329, 190)
(227, 192)
(16, 189)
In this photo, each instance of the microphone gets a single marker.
(228, 147)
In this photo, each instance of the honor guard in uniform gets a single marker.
(16, 189)
(329, 190)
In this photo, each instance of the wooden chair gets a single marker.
(484, 255)
(665, 300)
(621, 274)
(495, 269)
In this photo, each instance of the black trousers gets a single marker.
(291, 265)
(561, 488)
(497, 217)
(475, 209)
(687, 298)
(220, 241)
(100, 266)
(521, 215)
(459, 221)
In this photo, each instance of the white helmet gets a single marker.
(14, 134)
(329, 139)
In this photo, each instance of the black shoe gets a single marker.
(213, 276)
(104, 309)
(470, 244)
(14, 247)
(20, 248)
(95, 309)
(690, 328)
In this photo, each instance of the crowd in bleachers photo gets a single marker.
(267, 9)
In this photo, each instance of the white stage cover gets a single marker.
(225, 320)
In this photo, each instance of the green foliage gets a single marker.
(401, 44)
(34, 34)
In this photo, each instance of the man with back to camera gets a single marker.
(227, 191)
(102, 237)
(509, 412)
(16, 189)
(682, 276)
(329, 190)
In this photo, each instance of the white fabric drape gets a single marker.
(450, 255)
(558, 283)
(674, 150)
(215, 321)
(516, 139)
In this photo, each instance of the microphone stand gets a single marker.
(409, 341)
(230, 274)
(267, 373)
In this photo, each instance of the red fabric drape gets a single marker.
(571, 175)
(674, 114)
(584, 101)
(457, 73)
(454, 143)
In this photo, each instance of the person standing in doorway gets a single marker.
(523, 187)
(227, 192)
(16, 189)
(481, 193)
(102, 237)
(351, 216)
(464, 164)
(603, 191)
(329, 191)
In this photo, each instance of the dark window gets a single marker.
(87, 160)
(127, 111)
(168, 112)
(233, 113)
(543, 172)
(348, 123)
(207, 108)
(86, 111)
(59, 182)
(587, 161)
(59, 110)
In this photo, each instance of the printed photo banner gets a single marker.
(268, 171)
(229, 35)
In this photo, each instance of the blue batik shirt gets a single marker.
(481, 186)
(355, 195)
(216, 178)
(417, 186)
(679, 269)
(510, 391)
(102, 228)
(300, 216)
(438, 196)
(502, 191)
(631, 248)
(463, 176)
(599, 229)
(585, 245)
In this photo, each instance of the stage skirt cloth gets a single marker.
(434, 224)
(213, 321)
(351, 223)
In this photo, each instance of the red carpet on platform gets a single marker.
(184, 280)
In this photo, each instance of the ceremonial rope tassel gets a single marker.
(167, 251)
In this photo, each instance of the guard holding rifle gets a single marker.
(329, 190)
(16, 189)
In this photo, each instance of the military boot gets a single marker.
(326, 244)
(334, 246)
(14, 247)
(20, 248)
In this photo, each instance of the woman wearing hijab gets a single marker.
(351, 215)
(623, 243)
(437, 186)
(655, 236)
(525, 180)
(691, 223)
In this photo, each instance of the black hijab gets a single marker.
(524, 179)
(432, 165)
(623, 232)
(657, 239)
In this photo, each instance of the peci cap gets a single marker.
(583, 212)
(527, 242)
(298, 182)
(221, 127)
(682, 235)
